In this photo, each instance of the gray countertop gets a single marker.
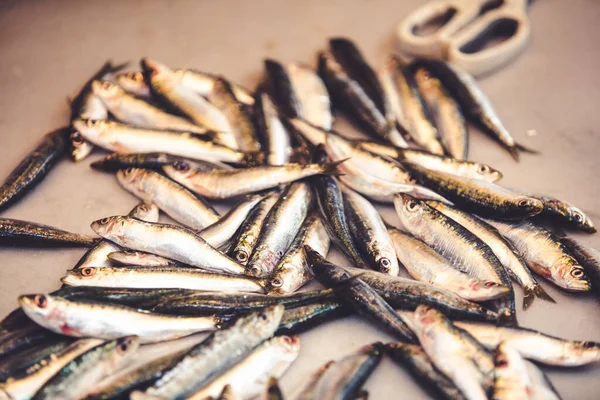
(49, 48)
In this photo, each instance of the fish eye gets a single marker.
(501, 363)
(577, 273)
(483, 169)
(412, 205)
(76, 138)
(578, 217)
(276, 282)
(490, 284)
(385, 264)
(524, 203)
(181, 166)
(106, 85)
(241, 256)
(88, 271)
(254, 271)
(123, 347)
(262, 315)
(41, 301)
(104, 221)
(129, 171)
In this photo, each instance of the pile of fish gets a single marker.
(183, 139)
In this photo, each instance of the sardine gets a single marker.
(474, 103)
(33, 168)
(246, 237)
(446, 113)
(292, 271)
(135, 298)
(426, 265)
(130, 110)
(418, 363)
(505, 252)
(280, 227)
(134, 83)
(161, 278)
(22, 362)
(87, 105)
(281, 89)
(203, 82)
(359, 296)
(174, 200)
(588, 258)
(125, 139)
(251, 375)
(215, 355)
(274, 137)
(223, 184)
(312, 95)
(303, 318)
(455, 353)
(545, 254)
(477, 196)
(465, 251)
(155, 161)
(388, 76)
(370, 234)
(140, 259)
(15, 232)
(535, 345)
(109, 321)
(77, 379)
(566, 214)
(20, 339)
(169, 241)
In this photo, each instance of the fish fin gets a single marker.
(524, 149)
(514, 152)
(539, 291)
(115, 68)
(254, 159)
(528, 296)
(362, 395)
(332, 168)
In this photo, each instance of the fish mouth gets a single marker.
(150, 67)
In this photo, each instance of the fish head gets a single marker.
(487, 173)
(410, 210)
(242, 251)
(109, 227)
(265, 320)
(145, 211)
(107, 91)
(478, 290)
(427, 318)
(131, 177)
(160, 76)
(79, 276)
(180, 170)
(582, 220)
(290, 345)
(386, 260)
(44, 309)
(573, 276)
(120, 349)
(86, 128)
(130, 79)
(530, 206)
(585, 350)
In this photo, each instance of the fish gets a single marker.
(239, 118)
(210, 303)
(98, 255)
(154, 161)
(535, 345)
(306, 391)
(455, 353)
(80, 318)
(129, 109)
(565, 214)
(140, 259)
(227, 394)
(274, 137)
(216, 354)
(588, 258)
(311, 95)
(23, 338)
(223, 184)
(426, 265)
(474, 103)
(345, 378)
(545, 254)
(203, 82)
(300, 319)
(388, 76)
(174, 242)
(370, 234)
(15, 232)
(279, 228)
(514, 380)
(292, 271)
(350, 96)
(251, 375)
(408, 294)
(87, 105)
(505, 252)
(134, 83)
(174, 200)
(77, 379)
(313, 134)
(33, 168)
(126, 139)
(419, 365)
(280, 87)
(359, 296)
(24, 361)
(483, 198)
(465, 251)
(131, 297)
(24, 385)
(161, 278)
(274, 392)
(247, 235)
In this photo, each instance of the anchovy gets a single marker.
(477, 196)
(312, 96)
(545, 254)
(370, 234)
(23, 233)
(215, 355)
(131, 110)
(507, 254)
(426, 265)
(303, 318)
(563, 213)
(77, 379)
(161, 278)
(462, 248)
(420, 366)
(223, 184)
(455, 353)
(134, 83)
(251, 375)
(203, 82)
(177, 243)
(588, 258)
(87, 105)
(535, 345)
(246, 237)
(474, 103)
(274, 137)
(174, 200)
(125, 139)
(281, 89)
(280, 227)
(358, 295)
(24, 385)
(292, 271)
(33, 168)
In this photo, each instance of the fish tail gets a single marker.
(254, 159)
(332, 168)
(528, 296)
(524, 149)
(514, 152)
(116, 68)
(539, 291)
